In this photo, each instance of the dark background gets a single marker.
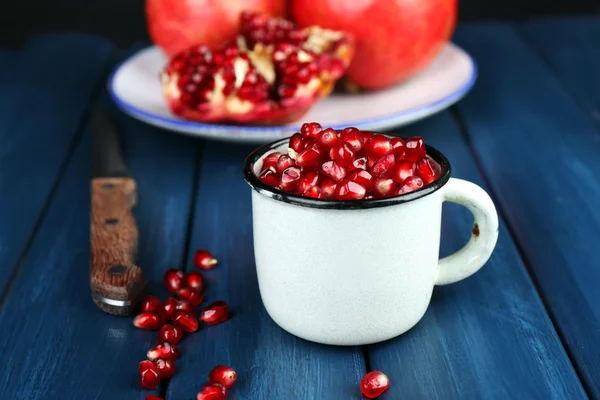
(123, 20)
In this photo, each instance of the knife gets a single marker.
(116, 282)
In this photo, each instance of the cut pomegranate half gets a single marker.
(271, 74)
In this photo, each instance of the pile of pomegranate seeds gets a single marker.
(374, 384)
(181, 312)
(349, 165)
(271, 74)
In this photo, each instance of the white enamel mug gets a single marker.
(325, 267)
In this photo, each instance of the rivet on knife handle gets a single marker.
(116, 282)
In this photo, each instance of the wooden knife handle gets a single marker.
(116, 282)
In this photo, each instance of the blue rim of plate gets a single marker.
(269, 131)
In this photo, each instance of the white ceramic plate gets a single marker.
(135, 88)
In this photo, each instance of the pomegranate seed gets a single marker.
(153, 397)
(226, 376)
(217, 385)
(403, 171)
(151, 303)
(374, 384)
(333, 170)
(194, 280)
(365, 135)
(289, 179)
(353, 138)
(411, 184)
(187, 321)
(296, 142)
(310, 157)
(148, 320)
(308, 178)
(170, 333)
(348, 190)
(311, 129)
(269, 177)
(204, 260)
(215, 313)
(360, 161)
(193, 296)
(342, 154)
(270, 161)
(415, 148)
(173, 280)
(149, 378)
(184, 305)
(384, 187)
(398, 147)
(378, 146)
(426, 170)
(164, 350)
(328, 187)
(384, 167)
(169, 307)
(211, 393)
(361, 177)
(166, 368)
(328, 138)
(314, 192)
(283, 163)
(371, 161)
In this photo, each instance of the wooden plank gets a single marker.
(271, 363)
(487, 337)
(571, 47)
(540, 152)
(40, 113)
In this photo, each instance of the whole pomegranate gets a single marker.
(176, 25)
(395, 39)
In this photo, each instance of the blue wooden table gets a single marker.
(527, 326)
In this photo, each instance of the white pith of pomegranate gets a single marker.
(349, 165)
(271, 74)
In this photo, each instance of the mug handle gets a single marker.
(478, 249)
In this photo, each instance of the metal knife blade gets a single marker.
(116, 282)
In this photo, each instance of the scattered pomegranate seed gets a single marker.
(149, 378)
(296, 142)
(269, 176)
(411, 184)
(328, 138)
(415, 148)
(374, 384)
(169, 307)
(194, 280)
(184, 305)
(284, 163)
(166, 368)
(333, 170)
(215, 313)
(398, 147)
(217, 385)
(193, 296)
(314, 192)
(426, 170)
(384, 167)
(211, 393)
(148, 320)
(170, 333)
(151, 303)
(270, 161)
(308, 178)
(363, 178)
(164, 350)
(311, 129)
(378, 146)
(328, 187)
(173, 280)
(403, 171)
(310, 157)
(348, 190)
(342, 154)
(353, 138)
(289, 179)
(384, 187)
(204, 260)
(226, 376)
(360, 162)
(187, 321)
(153, 397)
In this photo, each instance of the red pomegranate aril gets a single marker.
(269, 177)
(311, 129)
(360, 161)
(149, 378)
(342, 154)
(289, 179)
(153, 397)
(296, 142)
(184, 305)
(328, 138)
(365, 135)
(203, 259)
(217, 385)
(148, 320)
(284, 163)
(169, 307)
(384, 187)
(310, 157)
(378, 146)
(384, 167)
(308, 178)
(215, 313)
(349, 190)
(166, 368)
(314, 192)
(170, 333)
(398, 147)
(164, 350)
(415, 148)
(186, 320)
(211, 392)
(403, 171)
(151, 303)
(427, 170)
(333, 170)
(411, 184)
(374, 384)
(270, 161)
(194, 280)
(173, 280)
(223, 375)
(328, 187)
(193, 296)
(353, 138)
(363, 178)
